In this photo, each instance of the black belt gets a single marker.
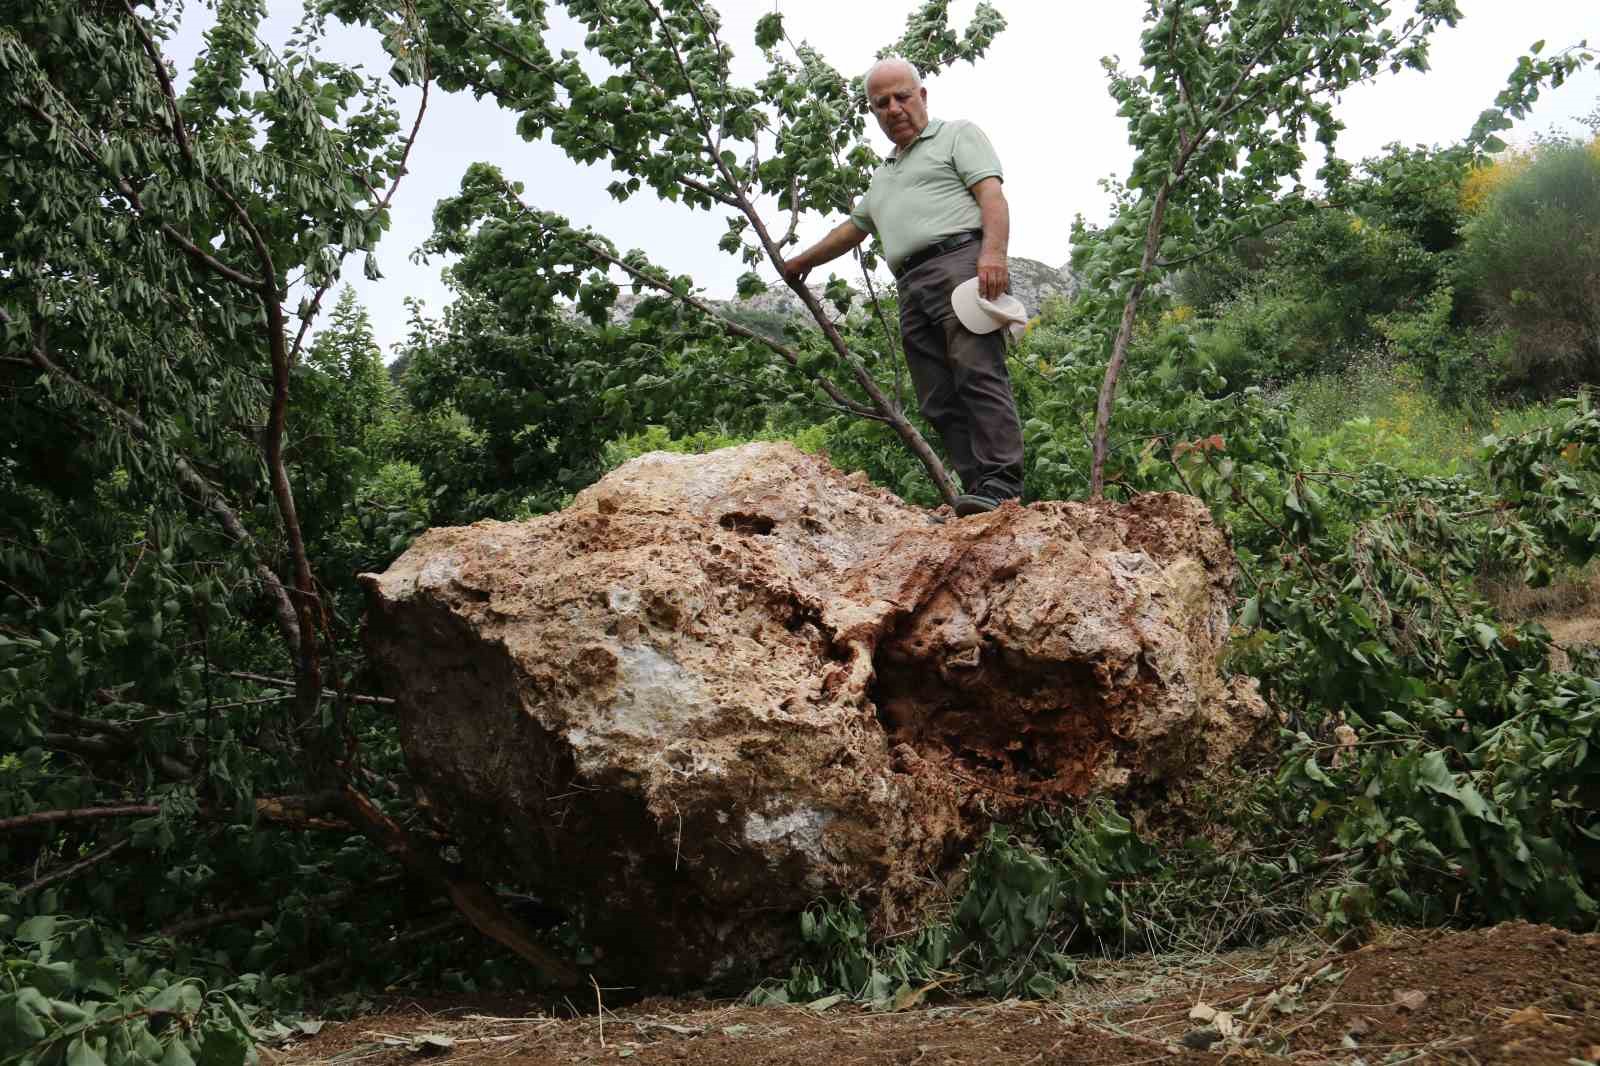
(936, 249)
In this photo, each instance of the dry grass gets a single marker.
(1569, 609)
(1514, 601)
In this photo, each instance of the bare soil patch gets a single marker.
(1570, 610)
(1513, 995)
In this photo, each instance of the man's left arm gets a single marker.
(994, 275)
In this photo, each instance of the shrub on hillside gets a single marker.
(1270, 333)
(1532, 259)
(1459, 365)
(1323, 287)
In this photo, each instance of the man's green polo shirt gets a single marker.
(922, 194)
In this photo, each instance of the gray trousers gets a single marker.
(960, 377)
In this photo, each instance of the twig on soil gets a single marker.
(508, 1021)
(599, 1010)
(1314, 1015)
(1304, 970)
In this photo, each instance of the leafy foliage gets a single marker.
(193, 474)
(1529, 256)
(79, 996)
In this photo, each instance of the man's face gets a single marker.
(899, 104)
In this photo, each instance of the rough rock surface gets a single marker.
(717, 687)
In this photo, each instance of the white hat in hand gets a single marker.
(985, 316)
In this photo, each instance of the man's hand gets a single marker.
(840, 240)
(993, 275)
(795, 270)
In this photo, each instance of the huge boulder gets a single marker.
(718, 687)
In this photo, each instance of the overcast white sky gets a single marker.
(1040, 95)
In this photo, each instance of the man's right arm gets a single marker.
(840, 240)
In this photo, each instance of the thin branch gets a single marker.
(1184, 95)
(190, 926)
(427, 934)
(289, 812)
(726, 324)
(382, 204)
(890, 337)
(171, 98)
(893, 416)
(262, 679)
(308, 666)
(78, 814)
(628, 161)
(71, 870)
(307, 663)
(119, 730)
(1119, 347)
(712, 143)
(1188, 147)
(112, 749)
(472, 898)
(723, 74)
(23, 596)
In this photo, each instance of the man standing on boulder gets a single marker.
(937, 207)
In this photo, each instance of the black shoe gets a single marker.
(971, 503)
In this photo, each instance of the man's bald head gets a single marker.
(897, 99)
(891, 65)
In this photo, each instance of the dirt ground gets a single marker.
(1514, 994)
(1570, 610)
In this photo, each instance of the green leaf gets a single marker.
(224, 1047)
(769, 30)
(826, 1002)
(38, 929)
(1250, 614)
(54, 978)
(1435, 775)
(79, 1053)
(19, 1012)
(180, 998)
(750, 284)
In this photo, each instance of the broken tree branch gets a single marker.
(472, 898)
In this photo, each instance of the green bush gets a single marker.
(1273, 332)
(1531, 259)
(1324, 284)
(1461, 366)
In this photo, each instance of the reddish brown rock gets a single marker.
(718, 687)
